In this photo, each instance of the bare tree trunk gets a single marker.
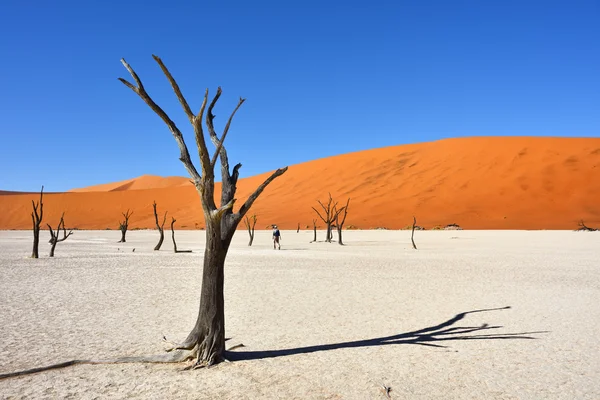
(340, 224)
(54, 239)
(175, 250)
(250, 224)
(161, 228)
(124, 225)
(328, 216)
(206, 341)
(412, 236)
(314, 230)
(298, 230)
(36, 218)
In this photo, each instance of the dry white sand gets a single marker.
(318, 320)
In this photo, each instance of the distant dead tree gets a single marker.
(250, 224)
(123, 225)
(54, 239)
(328, 217)
(298, 230)
(583, 227)
(314, 230)
(36, 217)
(173, 220)
(340, 224)
(412, 235)
(161, 227)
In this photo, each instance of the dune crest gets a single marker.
(477, 182)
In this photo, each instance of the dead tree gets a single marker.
(123, 225)
(161, 227)
(328, 216)
(298, 230)
(412, 236)
(250, 224)
(36, 217)
(583, 227)
(173, 220)
(206, 341)
(54, 239)
(340, 224)
(314, 230)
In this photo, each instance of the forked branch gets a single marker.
(244, 209)
(185, 155)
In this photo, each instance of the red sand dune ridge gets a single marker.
(478, 183)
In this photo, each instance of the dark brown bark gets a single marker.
(412, 236)
(314, 230)
(298, 230)
(207, 338)
(161, 227)
(340, 224)
(250, 224)
(583, 227)
(124, 225)
(54, 239)
(36, 217)
(328, 216)
(175, 250)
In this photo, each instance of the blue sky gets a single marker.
(321, 78)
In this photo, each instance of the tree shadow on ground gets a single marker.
(431, 336)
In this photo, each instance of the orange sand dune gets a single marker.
(478, 183)
(142, 182)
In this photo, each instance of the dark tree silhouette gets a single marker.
(36, 217)
(583, 227)
(412, 235)
(124, 225)
(54, 239)
(328, 216)
(175, 250)
(314, 230)
(160, 227)
(340, 224)
(250, 224)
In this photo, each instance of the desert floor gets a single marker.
(317, 320)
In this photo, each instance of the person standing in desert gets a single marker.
(276, 238)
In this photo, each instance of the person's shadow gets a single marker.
(431, 336)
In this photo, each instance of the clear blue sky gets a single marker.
(320, 77)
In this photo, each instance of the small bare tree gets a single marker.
(298, 230)
(175, 250)
(161, 227)
(328, 216)
(124, 225)
(340, 224)
(314, 230)
(36, 217)
(250, 224)
(583, 227)
(54, 239)
(412, 235)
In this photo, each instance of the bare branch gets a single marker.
(319, 214)
(199, 133)
(412, 236)
(176, 89)
(220, 148)
(141, 92)
(244, 209)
